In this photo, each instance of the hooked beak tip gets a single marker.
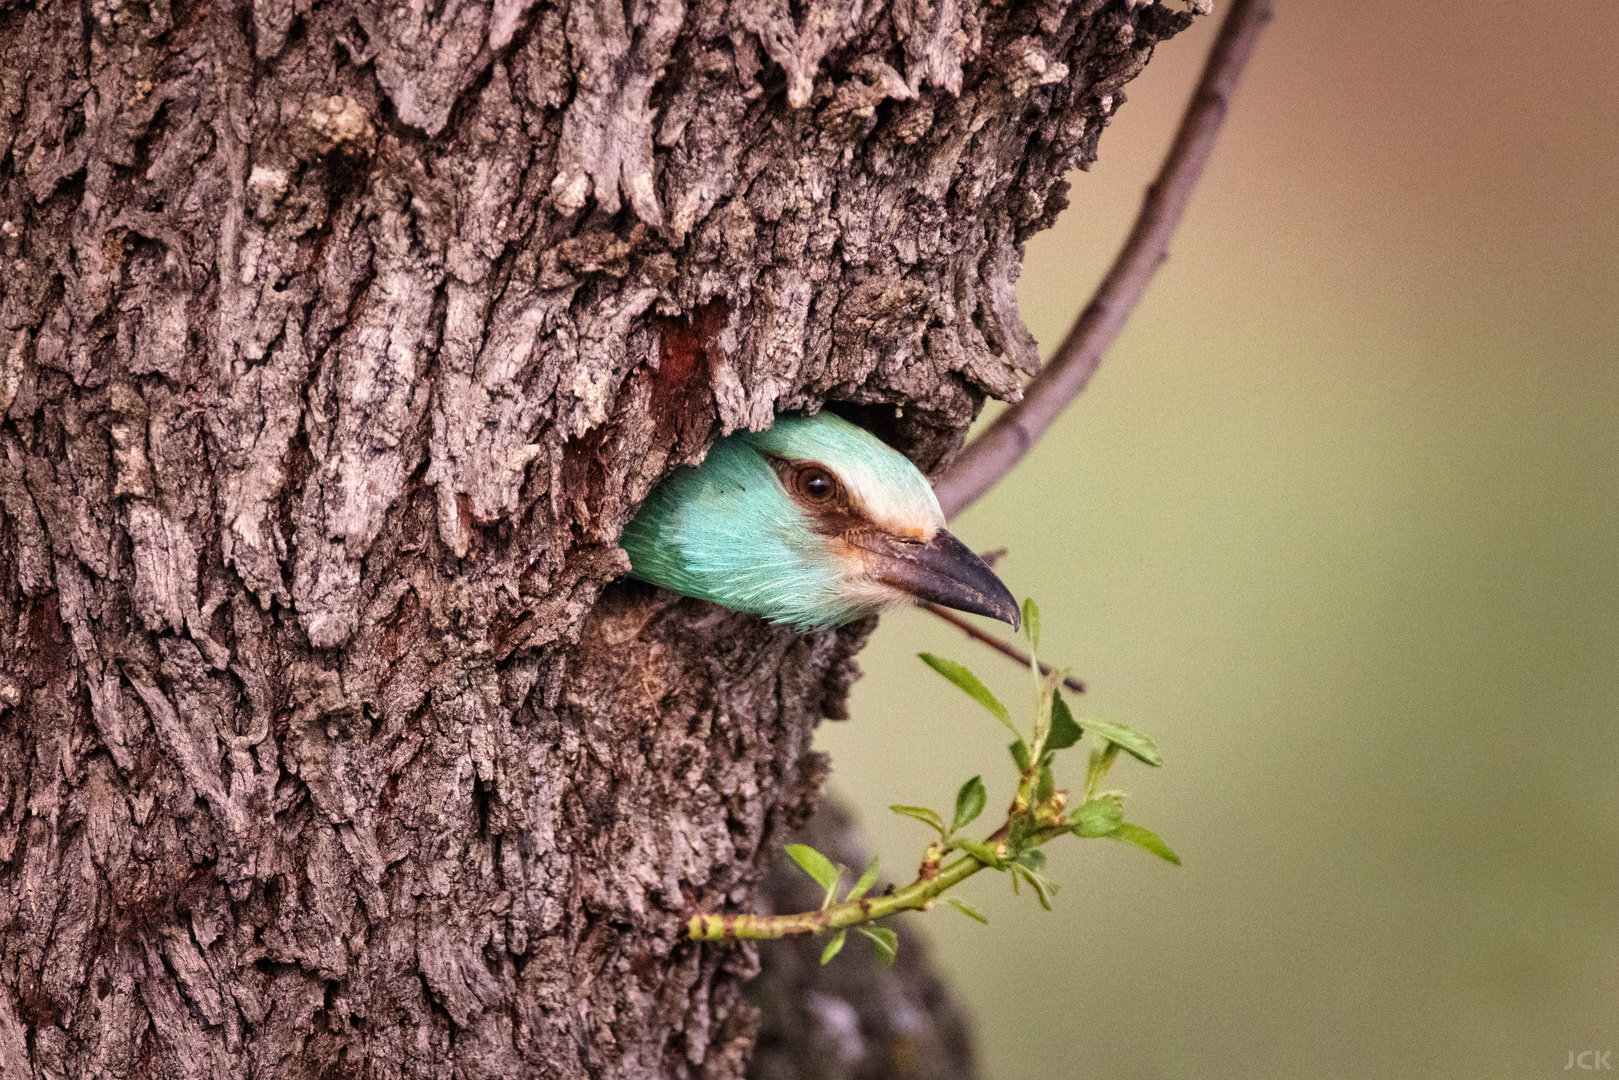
(946, 572)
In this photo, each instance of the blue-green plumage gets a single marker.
(814, 522)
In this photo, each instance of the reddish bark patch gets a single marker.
(683, 391)
(680, 407)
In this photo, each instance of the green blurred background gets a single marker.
(1338, 522)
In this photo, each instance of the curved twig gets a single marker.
(988, 458)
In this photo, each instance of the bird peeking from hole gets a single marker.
(813, 523)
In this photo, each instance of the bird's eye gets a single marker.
(816, 484)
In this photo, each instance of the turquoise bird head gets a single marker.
(813, 523)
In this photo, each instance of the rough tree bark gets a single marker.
(338, 341)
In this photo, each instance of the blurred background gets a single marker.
(1338, 522)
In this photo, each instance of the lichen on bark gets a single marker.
(338, 342)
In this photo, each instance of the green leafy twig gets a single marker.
(1038, 814)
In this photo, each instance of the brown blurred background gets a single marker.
(1338, 522)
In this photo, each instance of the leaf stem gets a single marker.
(917, 896)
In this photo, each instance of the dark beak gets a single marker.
(943, 571)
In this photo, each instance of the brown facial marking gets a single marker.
(817, 489)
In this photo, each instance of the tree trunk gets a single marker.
(338, 342)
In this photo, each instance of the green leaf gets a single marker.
(884, 943)
(815, 864)
(867, 880)
(1146, 840)
(1020, 755)
(966, 909)
(1031, 622)
(1064, 731)
(834, 946)
(1034, 859)
(1046, 787)
(1099, 817)
(969, 803)
(922, 814)
(1101, 761)
(1044, 887)
(982, 852)
(1133, 741)
(1018, 827)
(969, 683)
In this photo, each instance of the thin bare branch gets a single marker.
(988, 458)
(997, 644)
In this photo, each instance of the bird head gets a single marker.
(814, 522)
